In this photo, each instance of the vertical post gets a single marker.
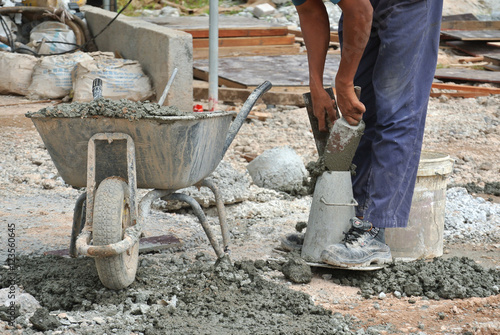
(213, 55)
(106, 4)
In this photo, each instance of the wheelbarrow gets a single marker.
(113, 157)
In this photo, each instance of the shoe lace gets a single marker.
(353, 235)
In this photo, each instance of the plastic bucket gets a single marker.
(423, 237)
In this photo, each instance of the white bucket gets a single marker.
(332, 207)
(423, 237)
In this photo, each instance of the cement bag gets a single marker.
(15, 73)
(121, 79)
(52, 75)
(53, 31)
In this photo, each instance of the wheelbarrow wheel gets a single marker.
(111, 217)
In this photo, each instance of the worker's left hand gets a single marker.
(349, 105)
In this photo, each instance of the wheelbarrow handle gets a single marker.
(245, 110)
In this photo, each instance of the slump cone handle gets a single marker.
(342, 143)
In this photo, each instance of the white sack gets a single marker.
(56, 32)
(15, 72)
(121, 79)
(52, 75)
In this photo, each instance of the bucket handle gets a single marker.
(352, 203)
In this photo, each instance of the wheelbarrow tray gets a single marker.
(172, 152)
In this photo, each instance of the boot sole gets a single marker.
(376, 259)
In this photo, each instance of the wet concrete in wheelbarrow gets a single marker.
(174, 294)
(122, 108)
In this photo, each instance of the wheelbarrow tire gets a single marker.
(111, 217)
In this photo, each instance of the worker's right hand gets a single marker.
(324, 108)
(349, 105)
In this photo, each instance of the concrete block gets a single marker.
(264, 9)
(159, 50)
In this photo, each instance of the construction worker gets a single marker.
(389, 48)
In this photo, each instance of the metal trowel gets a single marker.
(320, 137)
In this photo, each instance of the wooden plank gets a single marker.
(492, 67)
(466, 88)
(201, 22)
(494, 59)
(282, 70)
(270, 50)
(245, 32)
(469, 25)
(468, 75)
(457, 94)
(474, 48)
(246, 41)
(473, 35)
(272, 97)
(203, 75)
(459, 17)
(334, 35)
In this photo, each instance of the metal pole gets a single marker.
(106, 4)
(213, 55)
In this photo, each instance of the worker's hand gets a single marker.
(324, 108)
(349, 105)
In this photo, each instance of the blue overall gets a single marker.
(395, 75)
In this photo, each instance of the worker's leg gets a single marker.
(387, 160)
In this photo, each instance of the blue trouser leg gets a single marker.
(395, 75)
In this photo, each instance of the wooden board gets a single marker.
(246, 41)
(475, 48)
(492, 67)
(494, 59)
(468, 75)
(459, 17)
(463, 91)
(229, 26)
(470, 25)
(272, 97)
(245, 32)
(270, 50)
(473, 35)
(283, 70)
(334, 35)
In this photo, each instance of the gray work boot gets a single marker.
(362, 245)
(292, 242)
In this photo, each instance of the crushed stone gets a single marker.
(469, 218)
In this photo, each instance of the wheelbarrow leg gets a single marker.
(78, 223)
(221, 210)
(198, 211)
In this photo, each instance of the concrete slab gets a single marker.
(159, 50)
